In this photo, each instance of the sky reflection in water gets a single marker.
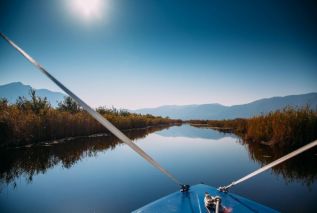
(100, 174)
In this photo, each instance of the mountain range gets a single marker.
(215, 111)
(218, 111)
(13, 90)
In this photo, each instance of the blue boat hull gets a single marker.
(193, 201)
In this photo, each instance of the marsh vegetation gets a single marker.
(33, 120)
(287, 128)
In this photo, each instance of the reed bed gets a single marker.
(288, 127)
(34, 120)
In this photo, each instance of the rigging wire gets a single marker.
(270, 165)
(103, 121)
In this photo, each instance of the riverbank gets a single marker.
(32, 121)
(286, 128)
(100, 135)
(221, 129)
(20, 128)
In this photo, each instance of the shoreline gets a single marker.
(213, 127)
(69, 139)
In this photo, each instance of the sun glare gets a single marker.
(88, 9)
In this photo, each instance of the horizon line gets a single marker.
(168, 105)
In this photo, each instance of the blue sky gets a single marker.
(146, 53)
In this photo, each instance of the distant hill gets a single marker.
(218, 111)
(13, 90)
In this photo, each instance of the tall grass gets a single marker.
(286, 127)
(289, 127)
(31, 121)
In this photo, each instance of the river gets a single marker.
(102, 175)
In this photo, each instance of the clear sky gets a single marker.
(145, 53)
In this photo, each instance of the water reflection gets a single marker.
(100, 172)
(194, 132)
(292, 170)
(301, 168)
(28, 162)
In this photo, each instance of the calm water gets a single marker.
(102, 175)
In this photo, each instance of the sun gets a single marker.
(88, 9)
